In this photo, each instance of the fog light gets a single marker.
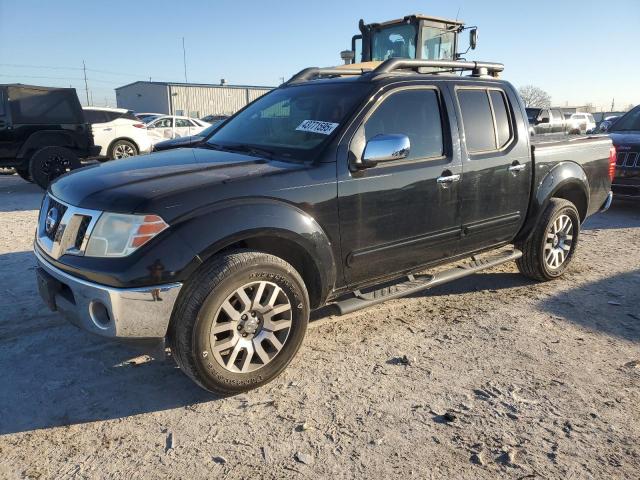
(99, 314)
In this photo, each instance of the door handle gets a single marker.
(516, 168)
(447, 180)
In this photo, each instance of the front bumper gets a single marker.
(107, 311)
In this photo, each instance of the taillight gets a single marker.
(612, 163)
(139, 125)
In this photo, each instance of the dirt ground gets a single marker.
(493, 376)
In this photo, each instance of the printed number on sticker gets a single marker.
(316, 126)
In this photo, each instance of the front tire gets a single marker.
(49, 163)
(24, 174)
(122, 149)
(239, 322)
(550, 248)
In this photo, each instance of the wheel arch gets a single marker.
(130, 140)
(45, 138)
(566, 180)
(271, 227)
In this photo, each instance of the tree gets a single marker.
(535, 97)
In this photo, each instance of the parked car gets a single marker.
(190, 141)
(148, 117)
(214, 118)
(168, 126)
(43, 132)
(606, 124)
(625, 133)
(324, 190)
(544, 120)
(581, 122)
(119, 132)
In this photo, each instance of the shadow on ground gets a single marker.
(610, 305)
(622, 214)
(17, 195)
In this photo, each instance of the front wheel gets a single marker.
(239, 322)
(548, 251)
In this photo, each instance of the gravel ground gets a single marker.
(490, 377)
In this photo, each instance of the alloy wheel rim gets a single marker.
(251, 327)
(123, 151)
(55, 165)
(558, 242)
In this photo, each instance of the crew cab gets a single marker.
(625, 133)
(545, 120)
(339, 187)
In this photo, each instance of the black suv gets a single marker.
(43, 132)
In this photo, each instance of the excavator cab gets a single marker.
(414, 36)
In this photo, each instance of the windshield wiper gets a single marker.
(250, 149)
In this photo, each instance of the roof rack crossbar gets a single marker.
(315, 72)
(478, 68)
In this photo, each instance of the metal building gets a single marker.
(191, 99)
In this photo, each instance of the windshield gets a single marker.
(293, 122)
(394, 41)
(629, 121)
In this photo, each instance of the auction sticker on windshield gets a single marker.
(316, 126)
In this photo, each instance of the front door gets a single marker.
(397, 216)
(495, 191)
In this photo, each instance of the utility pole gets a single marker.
(613, 104)
(86, 87)
(184, 61)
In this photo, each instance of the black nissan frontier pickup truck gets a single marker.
(342, 186)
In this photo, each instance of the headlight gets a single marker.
(119, 235)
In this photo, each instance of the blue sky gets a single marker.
(576, 50)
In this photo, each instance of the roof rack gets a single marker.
(388, 66)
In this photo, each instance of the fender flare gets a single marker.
(564, 174)
(230, 222)
(45, 138)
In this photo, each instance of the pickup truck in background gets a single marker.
(625, 134)
(338, 187)
(544, 120)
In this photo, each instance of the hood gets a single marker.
(169, 183)
(630, 138)
(177, 142)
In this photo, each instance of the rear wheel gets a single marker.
(49, 163)
(239, 322)
(122, 149)
(548, 251)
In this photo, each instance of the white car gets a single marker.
(581, 122)
(146, 117)
(170, 126)
(117, 131)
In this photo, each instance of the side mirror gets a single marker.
(385, 148)
(473, 38)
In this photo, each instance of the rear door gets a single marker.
(495, 188)
(396, 216)
(183, 127)
(8, 144)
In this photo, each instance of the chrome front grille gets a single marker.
(64, 229)
(628, 159)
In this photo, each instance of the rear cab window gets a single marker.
(486, 119)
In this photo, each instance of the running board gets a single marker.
(417, 283)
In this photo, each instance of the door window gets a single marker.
(414, 113)
(486, 119)
(181, 122)
(162, 123)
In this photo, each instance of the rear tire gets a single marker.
(550, 248)
(224, 333)
(122, 149)
(49, 163)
